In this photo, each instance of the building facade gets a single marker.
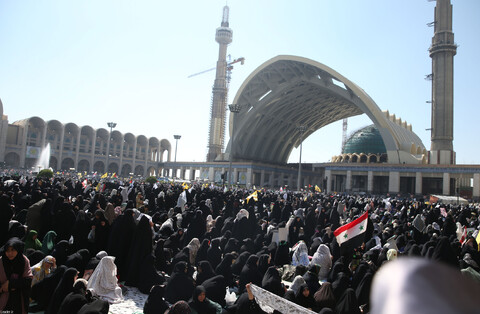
(79, 148)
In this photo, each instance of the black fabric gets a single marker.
(155, 302)
(102, 231)
(362, 292)
(225, 269)
(324, 297)
(443, 252)
(80, 231)
(64, 287)
(216, 289)
(205, 272)
(148, 275)
(180, 285)
(250, 273)
(347, 303)
(63, 220)
(79, 261)
(61, 252)
(239, 263)
(272, 282)
(95, 307)
(19, 287)
(245, 306)
(74, 301)
(202, 252)
(305, 301)
(214, 254)
(311, 278)
(201, 307)
(160, 259)
(340, 285)
(141, 247)
(43, 290)
(282, 255)
(120, 241)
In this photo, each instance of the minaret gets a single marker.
(216, 134)
(442, 50)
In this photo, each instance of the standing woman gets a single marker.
(15, 278)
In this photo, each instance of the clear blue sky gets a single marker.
(90, 62)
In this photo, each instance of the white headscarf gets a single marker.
(297, 282)
(300, 254)
(323, 258)
(193, 247)
(242, 213)
(103, 282)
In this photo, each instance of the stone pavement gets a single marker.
(132, 304)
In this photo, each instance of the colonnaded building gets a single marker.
(82, 148)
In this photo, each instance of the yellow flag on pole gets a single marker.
(254, 195)
(104, 175)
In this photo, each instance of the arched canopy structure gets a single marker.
(287, 92)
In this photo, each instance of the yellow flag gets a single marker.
(104, 175)
(478, 240)
(254, 195)
(317, 189)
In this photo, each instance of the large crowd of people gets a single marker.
(73, 245)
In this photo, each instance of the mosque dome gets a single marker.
(367, 140)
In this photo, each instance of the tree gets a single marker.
(45, 174)
(152, 180)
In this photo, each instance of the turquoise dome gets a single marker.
(366, 140)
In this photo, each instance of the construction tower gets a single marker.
(216, 134)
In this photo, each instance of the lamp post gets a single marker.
(302, 129)
(176, 137)
(234, 108)
(111, 125)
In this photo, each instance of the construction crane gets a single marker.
(229, 67)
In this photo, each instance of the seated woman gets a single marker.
(15, 278)
(103, 282)
(74, 301)
(45, 267)
(201, 304)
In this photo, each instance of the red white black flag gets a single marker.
(353, 231)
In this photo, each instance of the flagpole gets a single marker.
(302, 129)
(234, 109)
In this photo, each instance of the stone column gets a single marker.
(370, 182)
(24, 146)
(348, 182)
(271, 179)
(60, 153)
(211, 174)
(446, 184)
(134, 157)
(77, 149)
(328, 176)
(394, 182)
(418, 183)
(476, 185)
(3, 136)
(235, 175)
(92, 157)
(249, 178)
(262, 177)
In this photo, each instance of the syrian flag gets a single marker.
(352, 235)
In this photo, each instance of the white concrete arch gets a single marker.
(290, 91)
